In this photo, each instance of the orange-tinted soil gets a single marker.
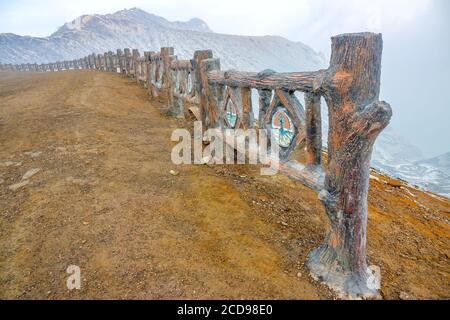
(105, 200)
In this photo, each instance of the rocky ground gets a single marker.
(86, 179)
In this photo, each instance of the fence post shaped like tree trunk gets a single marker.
(351, 88)
(313, 130)
(200, 81)
(175, 104)
(209, 92)
(166, 53)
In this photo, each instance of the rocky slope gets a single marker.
(441, 162)
(394, 156)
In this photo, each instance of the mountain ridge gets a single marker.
(78, 24)
(135, 28)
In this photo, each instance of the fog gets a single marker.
(416, 64)
(416, 80)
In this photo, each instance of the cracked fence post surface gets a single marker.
(351, 88)
(209, 92)
(201, 80)
(313, 137)
(166, 53)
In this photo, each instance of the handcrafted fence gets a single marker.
(350, 87)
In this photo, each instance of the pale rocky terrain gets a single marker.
(135, 28)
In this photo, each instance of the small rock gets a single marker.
(299, 275)
(405, 296)
(205, 160)
(174, 173)
(30, 173)
(8, 163)
(19, 185)
(284, 223)
(394, 183)
(33, 154)
(73, 180)
(85, 223)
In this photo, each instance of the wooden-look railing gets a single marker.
(350, 87)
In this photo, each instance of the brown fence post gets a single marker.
(313, 129)
(246, 100)
(107, 62)
(166, 54)
(209, 92)
(351, 88)
(96, 64)
(133, 61)
(91, 61)
(166, 84)
(175, 103)
(199, 56)
(147, 55)
(119, 60)
(264, 102)
(135, 64)
(127, 59)
(152, 75)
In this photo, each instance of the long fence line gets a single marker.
(222, 99)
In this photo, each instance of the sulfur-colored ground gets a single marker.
(105, 200)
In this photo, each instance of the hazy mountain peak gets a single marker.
(134, 9)
(194, 24)
(78, 24)
(135, 18)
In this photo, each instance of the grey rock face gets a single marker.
(136, 28)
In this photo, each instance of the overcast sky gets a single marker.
(416, 63)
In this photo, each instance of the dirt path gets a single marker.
(104, 200)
